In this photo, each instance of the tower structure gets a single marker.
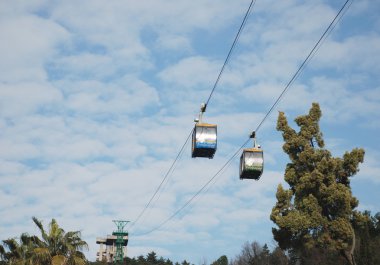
(120, 234)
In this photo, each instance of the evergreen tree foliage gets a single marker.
(317, 211)
(317, 256)
(185, 263)
(150, 259)
(99, 263)
(222, 260)
(368, 240)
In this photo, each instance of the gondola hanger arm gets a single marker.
(203, 110)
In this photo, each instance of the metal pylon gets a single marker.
(120, 234)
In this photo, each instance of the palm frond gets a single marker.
(41, 227)
(11, 244)
(41, 255)
(58, 260)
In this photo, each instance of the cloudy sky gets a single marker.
(97, 98)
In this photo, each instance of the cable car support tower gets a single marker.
(120, 234)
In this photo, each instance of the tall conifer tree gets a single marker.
(318, 209)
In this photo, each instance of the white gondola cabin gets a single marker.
(252, 162)
(204, 140)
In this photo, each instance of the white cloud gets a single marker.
(184, 72)
(28, 41)
(358, 52)
(174, 43)
(26, 97)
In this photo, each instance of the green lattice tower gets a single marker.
(120, 234)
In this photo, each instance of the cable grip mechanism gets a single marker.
(203, 110)
(253, 136)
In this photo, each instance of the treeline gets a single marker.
(367, 252)
(251, 254)
(56, 245)
(150, 259)
(255, 254)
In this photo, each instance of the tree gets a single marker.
(318, 209)
(222, 260)
(151, 258)
(265, 255)
(185, 263)
(168, 262)
(254, 254)
(58, 247)
(130, 261)
(249, 254)
(98, 263)
(2, 255)
(278, 257)
(368, 240)
(18, 252)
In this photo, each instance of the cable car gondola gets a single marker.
(204, 138)
(252, 161)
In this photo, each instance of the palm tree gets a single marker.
(57, 247)
(19, 252)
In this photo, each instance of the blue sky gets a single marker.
(97, 98)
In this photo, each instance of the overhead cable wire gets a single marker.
(171, 169)
(196, 194)
(242, 25)
(309, 56)
(294, 77)
(232, 48)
